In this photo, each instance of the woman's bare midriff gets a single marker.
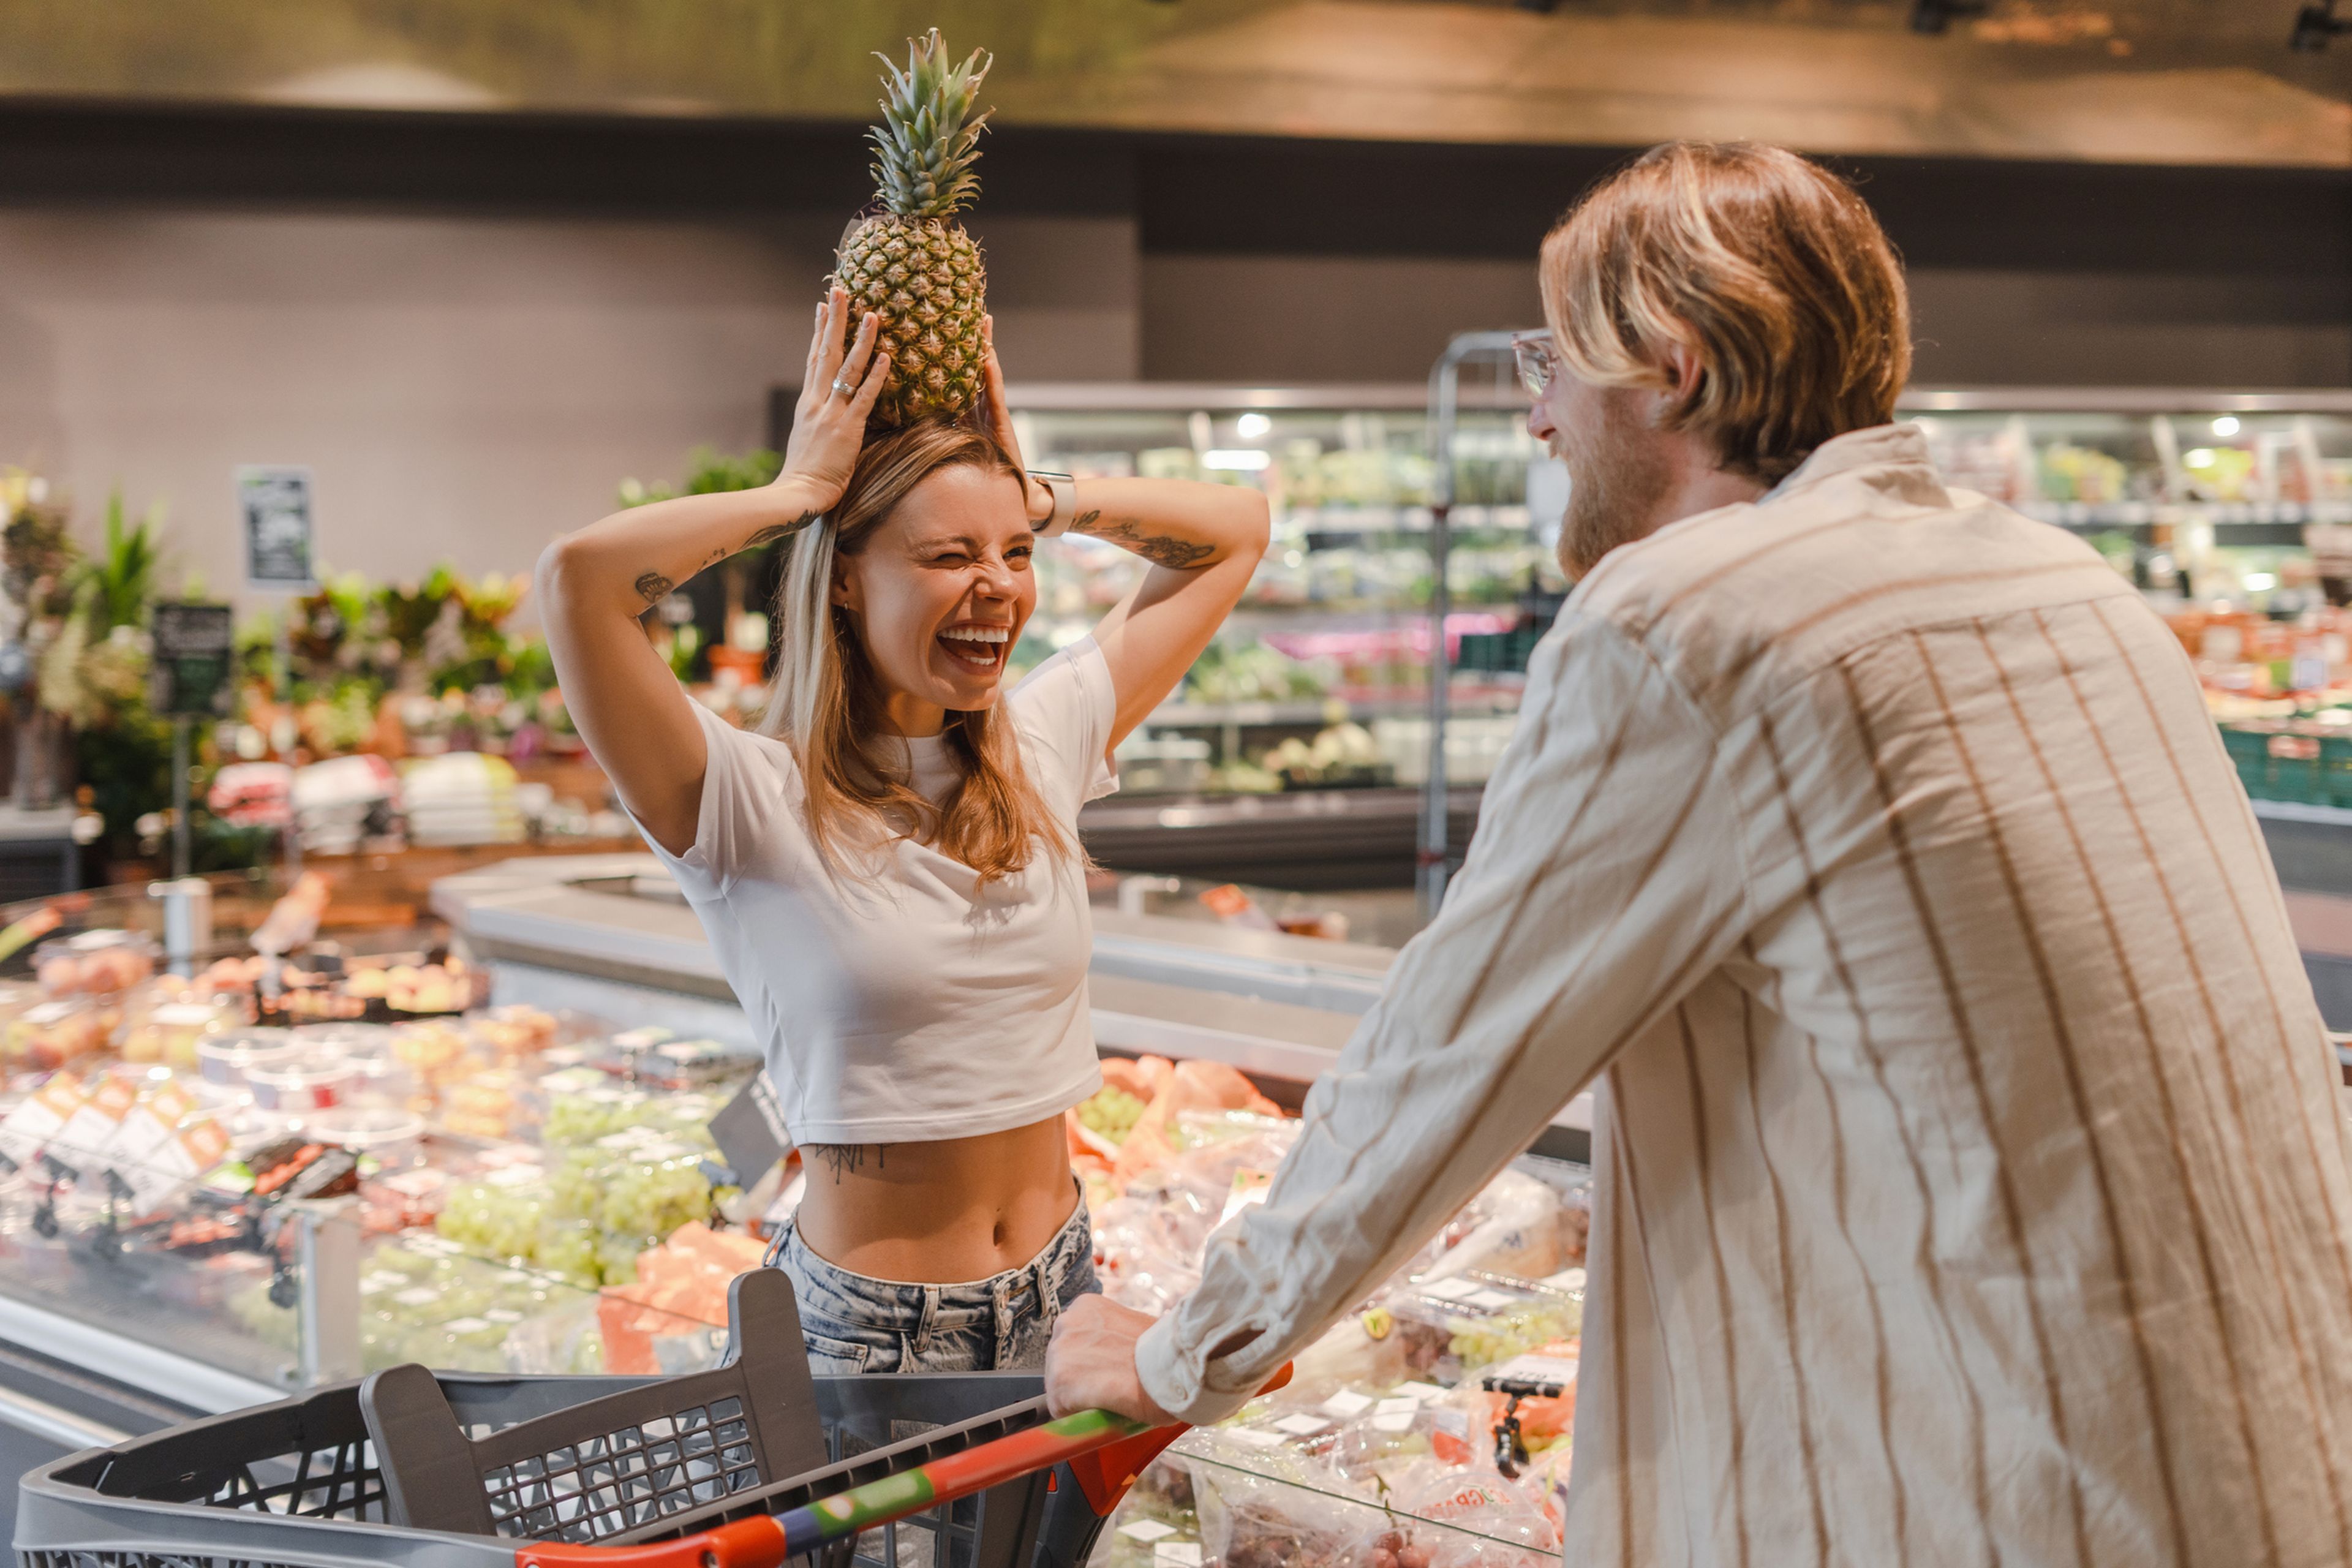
(937, 1213)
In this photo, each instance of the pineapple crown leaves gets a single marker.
(929, 137)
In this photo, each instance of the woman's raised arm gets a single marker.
(1204, 542)
(593, 584)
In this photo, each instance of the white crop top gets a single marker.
(918, 1005)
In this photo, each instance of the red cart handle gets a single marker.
(1106, 1452)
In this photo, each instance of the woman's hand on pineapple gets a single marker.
(1000, 423)
(836, 395)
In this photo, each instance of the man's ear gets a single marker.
(1682, 372)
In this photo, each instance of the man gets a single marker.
(1972, 1186)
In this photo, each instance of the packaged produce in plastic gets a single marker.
(165, 1024)
(1273, 1505)
(1513, 1226)
(435, 1051)
(1501, 1514)
(1157, 1525)
(49, 1035)
(492, 1102)
(425, 989)
(499, 1213)
(679, 1293)
(1192, 1085)
(513, 1033)
(94, 963)
(1452, 1327)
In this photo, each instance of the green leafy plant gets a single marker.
(120, 580)
(710, 472)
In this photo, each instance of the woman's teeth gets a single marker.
(979, 646)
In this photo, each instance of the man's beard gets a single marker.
(1615, 491)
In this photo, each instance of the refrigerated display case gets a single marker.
(1293, 753)
(199, 1213)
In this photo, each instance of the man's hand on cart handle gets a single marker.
(1090, 1361)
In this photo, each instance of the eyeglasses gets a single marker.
(1535, 360)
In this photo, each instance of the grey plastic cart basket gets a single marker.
(302, 1484)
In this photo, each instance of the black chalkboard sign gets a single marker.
(276, 505)
(190, 672)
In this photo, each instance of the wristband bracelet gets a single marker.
(1065, 501)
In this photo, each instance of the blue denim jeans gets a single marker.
(854, 1324)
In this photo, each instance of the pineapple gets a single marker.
(913, 264)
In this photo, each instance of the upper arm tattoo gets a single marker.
(652, 587)
(1159, 549)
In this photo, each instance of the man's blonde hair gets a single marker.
(1770, 270)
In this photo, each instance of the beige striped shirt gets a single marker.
(1971, 1186)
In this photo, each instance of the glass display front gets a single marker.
(1320, 680)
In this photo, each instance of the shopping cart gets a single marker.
(741, 1467)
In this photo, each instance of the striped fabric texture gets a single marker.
(1971, 1183)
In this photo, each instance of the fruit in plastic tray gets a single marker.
(435, 1052)
(487, 1104)
(95, 962)
(165, 1029)
(1110, 1113)
(515, 1030)
(499, 1214)
(42, 1039)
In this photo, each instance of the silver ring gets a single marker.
(842, 388)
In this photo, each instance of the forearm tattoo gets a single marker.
(774, 532)
(843, 1157)
(652, 587)
(1159, 549)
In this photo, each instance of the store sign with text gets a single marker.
(275, 504)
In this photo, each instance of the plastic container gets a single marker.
(49, 1035)
(1453, 1327)
(225, 1061)
(514, 1033)
(394, 1138)
(166, 1027)
(94, 963)
(300, 1088)
(381, 1079)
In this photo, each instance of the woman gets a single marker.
(889, 870)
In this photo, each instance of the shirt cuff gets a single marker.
(1177, 1382)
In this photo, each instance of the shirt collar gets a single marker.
(1879, 447)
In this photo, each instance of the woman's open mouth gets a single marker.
(978, 648)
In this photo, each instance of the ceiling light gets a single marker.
(1250, 427)
(1239, 459)
(2226, 426)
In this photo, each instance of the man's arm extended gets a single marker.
(1607, 878)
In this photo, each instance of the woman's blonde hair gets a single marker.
(1768, 269)
(827, 702)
